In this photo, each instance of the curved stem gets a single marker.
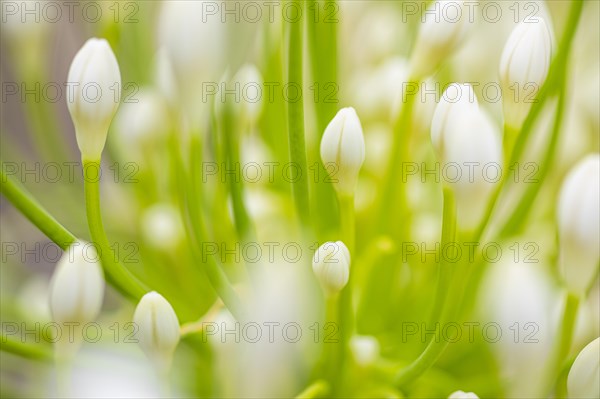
(25, 349)
(296, 118)
(318, 389)
(116, 273)
(444, 310)
(32, 210)
(565, 337)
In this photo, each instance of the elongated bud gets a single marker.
(93, 95)
(468, 143)
(343, 145)
(331, 264)
(444, 27)
(579, 224)
(463, 395)
(158, 329)
(77, 285)
(523, 68)
(584, 376)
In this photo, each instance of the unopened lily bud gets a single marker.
(463, 395)
(579, 224)
(343, 145)
(94, 94)
(584, 376)
(444, 27)
(468, 143)
(77, 285)
(331, 264)
(523, 68)
(158, 329)
(250, 83)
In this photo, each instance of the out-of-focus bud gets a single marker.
(444, 27)
(579, 224)
(463, 395)
(465, 139)
(77, 285)
(164, 76)
(162, 226)
(94, 94)
(343, 145)
(158, 329)
(331, 264)
(365, 349)
(523, 68)
(140, 125)
(584, 376)
(250, 83)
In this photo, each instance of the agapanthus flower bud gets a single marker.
(523, 68)
(579, 224)
(343, 145)
(584, 376)
(158, 329)
(463, 395)
(331, 264)
(443, 29)
(468, 145)
(94, 94)
(77, 285)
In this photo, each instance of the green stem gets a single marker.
(393, 202)
(565, 338)
(24, 349)
(191, 213)
(33, 210)
(444, 270)
(447, 308)
(519, 215)
(117, 274)
(318, 389)
(345, 314)
(296, 118)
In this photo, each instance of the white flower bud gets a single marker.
(584, 376)
(579, 224)
(343, 144)
(444, 28)
(250, 83)
(523, 68)
(158, 329)
(331, 264)
(77, 285)
(365, 349)
(93, 96)
(463, 395)
(468, 145)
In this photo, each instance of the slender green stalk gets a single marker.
(393, 200)
(322, 49)
(565, 338)
(519, 215)
(191, 212)
(296, 117)
(345, 311)
(444, 270)
(318, 389)
(25, 349)
(116, 273)
(445, 308)
(33, 210)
